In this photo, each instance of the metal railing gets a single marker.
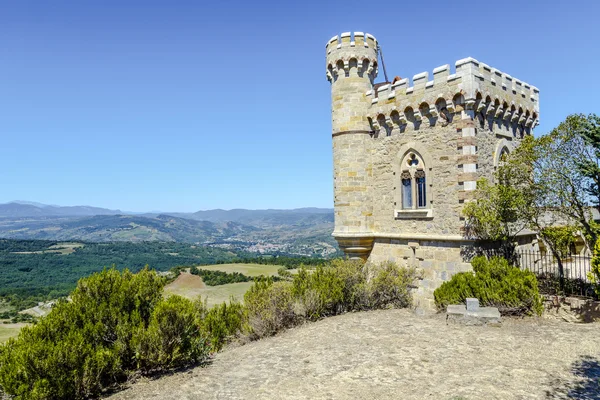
(576, 267)
(546, 267)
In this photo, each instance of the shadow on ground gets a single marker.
(585, 384)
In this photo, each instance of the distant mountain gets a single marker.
(105, 228)
(270, 217)
(304, 231)
(19, 209)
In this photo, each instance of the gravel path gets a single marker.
(395, 354)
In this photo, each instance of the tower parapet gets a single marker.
(490, 93)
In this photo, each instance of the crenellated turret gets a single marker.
(351, 68)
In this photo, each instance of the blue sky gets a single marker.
(189, 105)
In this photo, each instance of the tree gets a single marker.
(567, 172)
(546, 182)
(498, 214)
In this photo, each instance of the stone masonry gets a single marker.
(407, 155)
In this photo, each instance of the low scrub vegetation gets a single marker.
(117, 324)
(339, 287)
(495, 283)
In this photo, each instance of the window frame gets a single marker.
(417, 172)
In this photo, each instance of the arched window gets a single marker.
(414, 183)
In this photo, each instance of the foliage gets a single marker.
(15, 317)
(26, 279)
(495, 283)
(286, 261)
(222, 322)
(567, 171)
(215, 278)
(321, 291)
(594, 274)
(117, 324)
(114, 323)
(172, 338)
(495, 216)
(341, 286)
(560, 238)
(270, 307)
(391, 286)
(545, 182)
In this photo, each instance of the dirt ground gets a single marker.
(395, 354)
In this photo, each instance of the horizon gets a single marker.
(37, 204)
(135, 105)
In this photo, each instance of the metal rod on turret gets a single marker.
(382, 62)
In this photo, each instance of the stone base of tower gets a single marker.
(355, 246)
(435, 260)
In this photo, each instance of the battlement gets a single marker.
(472, 85)
(351, 39)
(351, 54)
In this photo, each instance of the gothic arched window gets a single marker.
(414, 183)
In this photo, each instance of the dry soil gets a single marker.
(395, 354)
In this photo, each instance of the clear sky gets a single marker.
(189, 105)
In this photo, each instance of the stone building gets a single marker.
(407, 154)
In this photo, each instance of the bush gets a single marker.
(352, 285)
(172, 338)
(321, 292)
(341, 286)
(391, 286)
(495, 283)
(222, 322)
(270, 307)
(114, 323)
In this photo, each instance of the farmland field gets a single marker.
(191, 286)
(9, 330)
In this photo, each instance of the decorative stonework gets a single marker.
(454, 127)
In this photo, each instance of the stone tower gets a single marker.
(407, 155)
(351, 69)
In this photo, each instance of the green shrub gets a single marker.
(391, 286)
(222, 322)
(495, 283)
(172, 338)
(321, 291)
(114, 323)
(352, 285)
(270, 307)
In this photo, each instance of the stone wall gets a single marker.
(435, 260)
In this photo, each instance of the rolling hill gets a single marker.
(17, 209)
(304, 231)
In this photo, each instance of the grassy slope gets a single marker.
(9, 330)
(191, 286)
